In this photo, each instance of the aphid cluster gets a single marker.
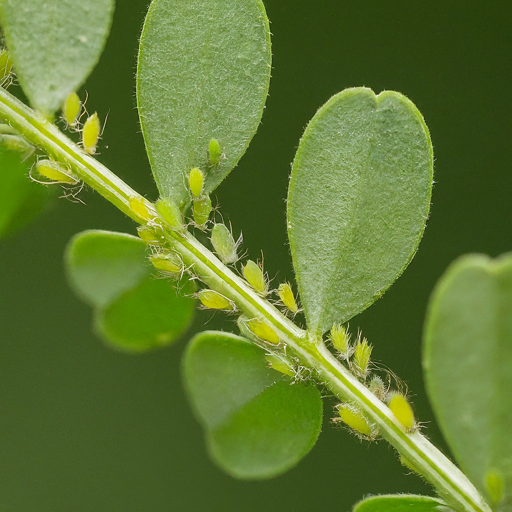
(357, 357)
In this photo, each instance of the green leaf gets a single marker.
(358, 201)
(150, 315)
(134, 311)
(399, 503)
(54, 45)
(102, 265)
(203, 74)
(468, 361)
(258, 423)
(20, 198)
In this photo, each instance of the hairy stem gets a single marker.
(426, 459)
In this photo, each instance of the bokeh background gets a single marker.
(85, 428)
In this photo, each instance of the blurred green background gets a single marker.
(85, 428)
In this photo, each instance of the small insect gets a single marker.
(361, 360)
(495, 486)
(214, 153)
(357, 421)
(280, 364)
(150, 235)
(196, 182)
(139, 207)
(255, 277)
(201, 210)
(168, 262)
(213, 300)
(16, 143)
(91, 133)
(170, 212)
(55, 172)
(5, 64)
(341, 340)
(262, 330)
(378, 388)
(402, 410)
(71, 108)
(285, 293)
(224, 244)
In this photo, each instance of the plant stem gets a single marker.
(426, 459)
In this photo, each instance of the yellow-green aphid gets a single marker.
(5, 64)
(355, 419)
(170, 212)
(201, 210)
(149, 235)
(139, 207)
(378, 388)
(71, 108)
(285, 293)
(224, 244)
(280, 364)
(214, 152)
(91, 133)
(214, 300)
(168, 262)
(402, 410)
(263, 331)
(54, 172)
(255, 277)
(6, 129)
(341, 340)
(196, 181)
(16, 143)
(495, 486)
(361, 359)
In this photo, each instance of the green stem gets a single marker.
(426, 459)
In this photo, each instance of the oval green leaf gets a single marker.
(203, 74)
(54, 45)
(101, 265)
(358, 201)
(258, 424)
(467, 362)
(151, 315)
(20, 199)
(134, 310)
(400, 503)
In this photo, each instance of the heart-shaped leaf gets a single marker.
(203, 74)
(468, 362)
(400, 503)
(20, 199)
(134, 311)
(358, 201)
(54, 45)
(258, 423)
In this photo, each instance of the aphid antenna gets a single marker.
(71, 193)
(28, 154)
(83, 111)
(104, 124)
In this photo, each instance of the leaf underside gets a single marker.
(54, 45)
(358, 201)
(203, 73)
(258, 424)
(467, 362)
(133, 310)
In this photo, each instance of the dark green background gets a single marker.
(84, 428)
